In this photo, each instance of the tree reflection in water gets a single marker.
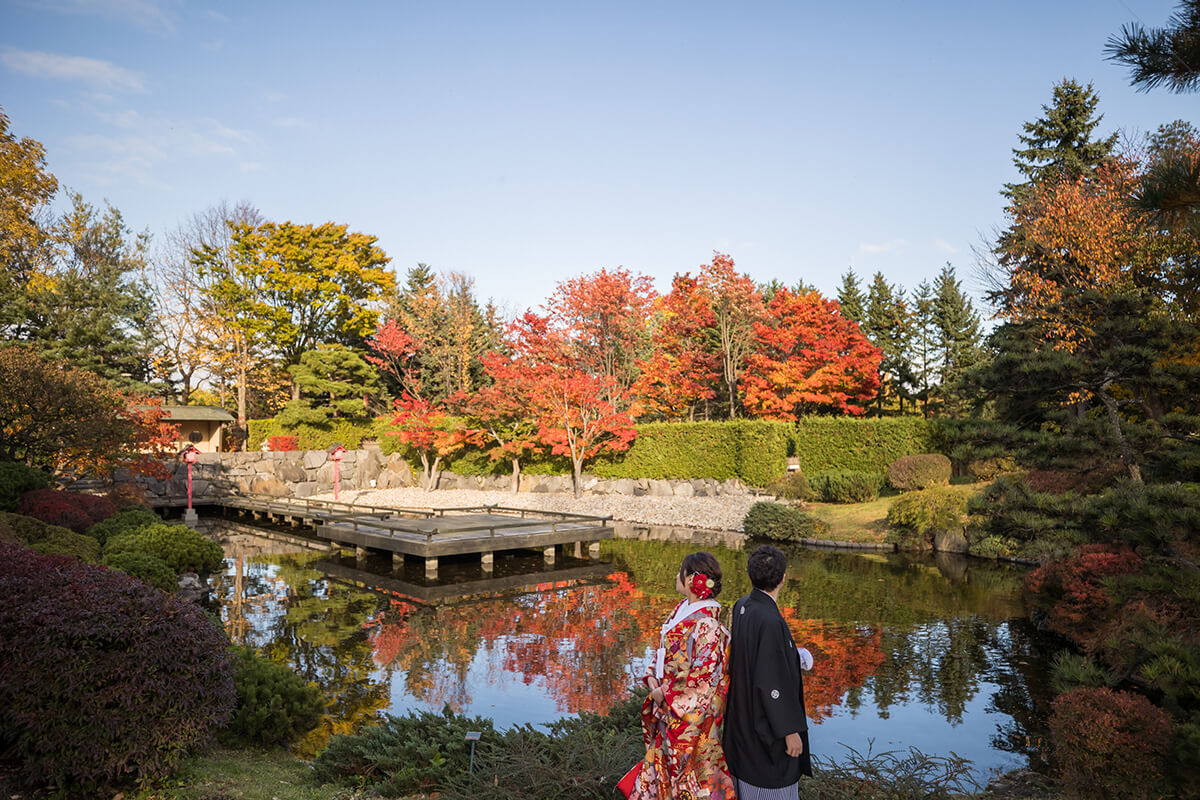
(885, 632)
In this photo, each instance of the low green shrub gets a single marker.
(180, 547)
(844, 486)
(793, 486)
(942, 508)
(894, 775)
(1074, 670)
(48, 539)
(17, 479)
(403, 755)
(274, 704)
(145, 567)
(990, 546)
(988, 469)
(126, 520)
(919, 472)
(781, 523)
(108, 680)
(1108, 744)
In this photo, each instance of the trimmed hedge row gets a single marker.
(755, 451)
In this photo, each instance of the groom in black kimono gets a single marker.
(766, 731)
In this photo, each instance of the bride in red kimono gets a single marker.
(681, 719)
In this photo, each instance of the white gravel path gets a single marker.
(710, 513)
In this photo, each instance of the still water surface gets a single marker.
(908, 651)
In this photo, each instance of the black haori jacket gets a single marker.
(766, 697)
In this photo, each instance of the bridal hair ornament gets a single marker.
(701, 585)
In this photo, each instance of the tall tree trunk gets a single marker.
(1114, 422)
(577, 477)
(243, 357)
(516, 475)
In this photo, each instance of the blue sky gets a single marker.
(526, 143)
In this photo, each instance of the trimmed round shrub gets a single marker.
(103, 679)
(781, 523)
(75, 510)
(846, 486)
(125, 521)
(793, 486)
(1108, 744)
(145, 567)
(49, 539)
(183, 549)
(17, 479)
(274, 704)
(919, 472)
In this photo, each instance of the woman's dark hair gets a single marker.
(705, 563)
(766, 566)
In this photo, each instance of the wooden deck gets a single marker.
(429, 533)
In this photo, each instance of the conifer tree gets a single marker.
(1059, 143)
(850, 297)
(887, 323)
(959, 338)
(334, 382)
(1167, 56)
(925, 340)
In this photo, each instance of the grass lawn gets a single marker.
(246, 775)
(854, 522)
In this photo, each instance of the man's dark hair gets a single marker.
(705, 563)
(766, 566)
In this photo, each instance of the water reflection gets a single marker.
(906, 650)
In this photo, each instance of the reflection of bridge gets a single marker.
(429, 533)
(463, 591)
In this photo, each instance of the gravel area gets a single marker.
(710, 513)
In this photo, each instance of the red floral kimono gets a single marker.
(684, 759)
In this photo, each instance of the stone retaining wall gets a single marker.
(306, 473)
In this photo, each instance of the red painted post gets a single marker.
(336, 452)
(190, 454)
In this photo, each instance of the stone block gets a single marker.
(304, 489)
(684, 489)
(659, 488)
(269, 485)
(315, 458)
(625, 486)
(952, 541)
(290, 471)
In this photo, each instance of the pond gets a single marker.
(908, 650)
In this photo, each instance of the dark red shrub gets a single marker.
(1108, 744)
(56, 507)
(281, 444)
(74, 510)
(103, 679)
(1073, 590)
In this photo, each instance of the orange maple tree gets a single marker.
(682, 372)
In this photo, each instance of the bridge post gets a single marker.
(594, 550)
(397, 562)
(431, 565)
(579, 549)
(487, 561)
(334, 547)
(360, 553)
(548, 555)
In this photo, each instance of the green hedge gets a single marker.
(755, 451)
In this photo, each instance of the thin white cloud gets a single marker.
(150, 15)
(56, 66)
(287, 122)
(142, 149)
(945, 247)
(875, 249)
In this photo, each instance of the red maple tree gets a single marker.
(502, 413)
(736, 308)
(428, 431)
(683, 371)
(809, 358)
(394, 352)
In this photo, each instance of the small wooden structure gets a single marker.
(431, 533)
(199, 426)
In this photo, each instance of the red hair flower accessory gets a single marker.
(701, 585)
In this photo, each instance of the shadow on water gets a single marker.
(908, 650)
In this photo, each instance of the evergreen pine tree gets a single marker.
(959, 338)
(850, 297)
(887, 323)
(1162, 56)
(334, 382)
(1059, 143)
(924, 355)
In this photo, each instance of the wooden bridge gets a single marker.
(429, 533)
